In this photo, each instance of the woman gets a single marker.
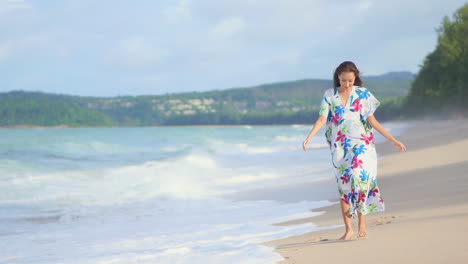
(347, 110)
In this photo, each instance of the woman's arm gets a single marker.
(321, 121)
(376, 124)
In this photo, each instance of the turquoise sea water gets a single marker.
(153, 195)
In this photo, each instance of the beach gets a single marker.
(245, 194)
(426, 198)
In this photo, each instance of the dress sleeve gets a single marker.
(370, 105)
(324, 106)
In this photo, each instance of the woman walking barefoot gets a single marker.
(347, 111)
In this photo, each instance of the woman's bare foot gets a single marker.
(348, 234)
(362, 231)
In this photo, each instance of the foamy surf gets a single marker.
(152, 195)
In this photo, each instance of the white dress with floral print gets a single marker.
(352, 146)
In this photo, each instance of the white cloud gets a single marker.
(31, 46)
(7, 6)
(288, 58)
(175, 43)
(228, 27)
(6, 49)
(180, 12)
(364, 5)
(138, 51)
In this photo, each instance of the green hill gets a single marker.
(40, 109)
(276, 103)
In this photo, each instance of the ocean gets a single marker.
(156, 194)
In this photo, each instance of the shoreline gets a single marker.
(414, 197)
(163, 126)
(188, 126)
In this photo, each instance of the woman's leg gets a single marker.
(362, 225)
(347, 220)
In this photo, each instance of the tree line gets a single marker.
(302, 99)
(440, 88)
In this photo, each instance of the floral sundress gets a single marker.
(352, 146)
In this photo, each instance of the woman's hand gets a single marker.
(376, 124)
(305, 143)
(317, 126)
(398, 145)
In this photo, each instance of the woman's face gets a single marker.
(346, 79)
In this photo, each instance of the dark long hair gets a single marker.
(347, 66)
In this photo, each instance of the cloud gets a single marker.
(186, 45)
(31, 47)
(364, 5)
(6, 49)
(178, 13)
(286, 59)
(228, 27)
(7, 6)
(138, 51)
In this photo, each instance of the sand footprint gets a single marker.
(317, 239)
(385, 220)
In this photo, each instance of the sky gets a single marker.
(147, 47)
